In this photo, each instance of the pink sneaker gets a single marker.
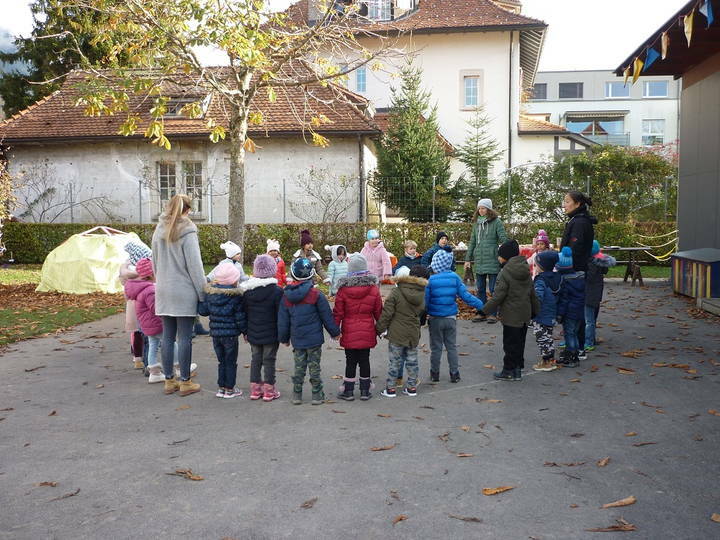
(256, 391)
(270, 393)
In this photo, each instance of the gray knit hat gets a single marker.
(357, 263)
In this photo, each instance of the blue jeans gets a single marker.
(443, 331)
(402, 356)
(152, 349)
(571, 327)
(226, 350)
(590, 320)
(177, 330)
(483, 282)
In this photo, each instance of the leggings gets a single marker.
(353, 357)
(177, 329)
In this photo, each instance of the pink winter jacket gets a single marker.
(378, 260)
(143, 293)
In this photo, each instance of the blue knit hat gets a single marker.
(595, 248)
(372, 234)
(547, 259)
(565, 260)
(441, 261)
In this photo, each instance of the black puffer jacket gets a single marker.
(579, 235)
(261, 300)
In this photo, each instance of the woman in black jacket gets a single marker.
(579, 232)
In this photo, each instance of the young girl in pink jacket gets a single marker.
(378, 260)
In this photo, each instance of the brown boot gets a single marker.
(171, 386)
(188, 387)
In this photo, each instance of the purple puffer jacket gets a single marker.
(143, 292)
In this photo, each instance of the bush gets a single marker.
(30, 243)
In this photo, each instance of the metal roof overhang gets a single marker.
(596, 114)
(531, 44)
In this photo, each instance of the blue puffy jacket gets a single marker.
(547, 289)
(442, 290)
(223, 304)
(571, 301)
(304, 311)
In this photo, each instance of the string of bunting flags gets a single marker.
(653, 54)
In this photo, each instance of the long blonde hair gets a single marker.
(176, 209)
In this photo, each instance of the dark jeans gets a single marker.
(263, 356)
(355, 357)
(482, 286)
(572, 328)
(514, 347)
(226, 350)
(177, 329)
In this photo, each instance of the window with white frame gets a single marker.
(616, 89)
(361, 79)
(379, 10)
(189, 182)
(653, 132)
(655, 89)
(471, 85)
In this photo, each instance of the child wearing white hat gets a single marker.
(273, 249)
(233, 254)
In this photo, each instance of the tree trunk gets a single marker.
(236, 188)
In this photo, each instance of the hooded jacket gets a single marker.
(482, 251)
(337, 269)
(142, 292)
(427, 257)
(594, 278)
(547, 289)
(378, 260)
(357, 307)
(514, 294)
(579, 235)
(315, 259)
(402, 311)
(260, 303)
(571, 301)
(442, 290)
(223, 304)
(179, 273)
(407, 261)
(304, 311)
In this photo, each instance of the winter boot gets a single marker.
(171, 386)
(455, 377)
(505, 375)
(572, 360)
(318, 398)
(256, 391)
(188, 387)
(517, 374)
(269, 392)
(435, 376)
(297, 398)
(347, 389)
(564, 356)
(365, 384)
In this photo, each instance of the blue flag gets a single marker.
(706, 9)
(650, 58)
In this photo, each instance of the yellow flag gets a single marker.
(664, 44)
(688, 22)
(637, 69)
(627, 75)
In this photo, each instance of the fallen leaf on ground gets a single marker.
(487, 400)
(53, 413)
(337, 411)
(418, 418)
(631, 434)
(382, 448)
(643, 443)
(550, 464)
(593, 369)
(183, 407)
(646, 404)
(603, 462)
(464, 454)
(444, 437)
(714, 412)
(67, 495)
(465, 428)
(469, 519)
(394, 494)
(697, 438)
(495, 491)
(625, 371)
(622, 526)
(680, 366)
(635, 353)
(627, 501)
(34, 369)
(186, 473)
(715, 518)
(309, 503)
(398, 519)
(488, 366)
(7, 409)
(575, 380)
(573, 506)
(48, 484)
(99, 386)
(463, 354)
(426, 407)
(334, 376)
(660, 364)
(385, 415)
(577, 435)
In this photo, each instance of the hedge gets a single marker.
(30, 243)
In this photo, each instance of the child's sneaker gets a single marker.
(410, 391)
(389, 392)
(220, 393)
(548, 365)
(318, 398)
(454, 377)
(572, 359)
(256, 391)
(156, 378)
(590, 348)
(232, 393)
(582, 355)
(561, 345)
(505, 375)
(297, 398)
(270, 393)
(517, 374)
(435, 376)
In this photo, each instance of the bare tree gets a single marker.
(324, 197)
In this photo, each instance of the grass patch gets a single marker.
(647, 271)
(20, 273)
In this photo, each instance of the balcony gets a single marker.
(616, 139)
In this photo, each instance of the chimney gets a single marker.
(514, 6)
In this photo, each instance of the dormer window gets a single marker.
(177, 107)
(379, 10)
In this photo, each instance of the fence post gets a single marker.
(434, 178)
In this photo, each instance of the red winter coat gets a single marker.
(358, 306)
(280, 275)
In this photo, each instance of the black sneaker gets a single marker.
(435, 376)
(410, 391)
(505, 375)
(564, 358)
(454, 377)
(582, 355)
(389, 392)
(572, 360)
(517, 374)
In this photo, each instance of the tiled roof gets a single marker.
(382, 119)
(57, 118)
(528, 124)
(441, 15)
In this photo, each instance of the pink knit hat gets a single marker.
(542, 236)
(227, 274)
(144, 268)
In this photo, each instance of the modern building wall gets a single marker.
(632, 110)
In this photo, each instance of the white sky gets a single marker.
(583, 34)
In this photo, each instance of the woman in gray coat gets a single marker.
(179, 286)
